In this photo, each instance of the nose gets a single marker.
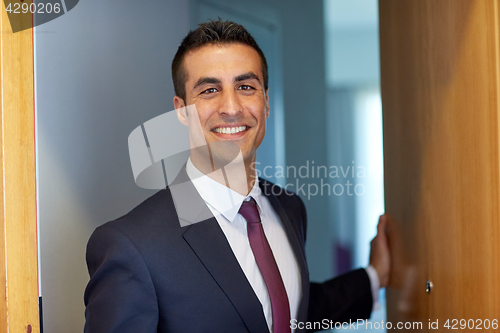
(230, 104)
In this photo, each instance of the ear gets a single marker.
(267, 103)
(180, 108)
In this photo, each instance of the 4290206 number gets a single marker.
(41, 8)
(477, 324)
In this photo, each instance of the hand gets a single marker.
(380, 255)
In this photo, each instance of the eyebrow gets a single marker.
(213, 80)
(206, 80)
(247, 76)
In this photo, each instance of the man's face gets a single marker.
(226, 85)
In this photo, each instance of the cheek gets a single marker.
(262, 130)
(204, 114)
(262, 116)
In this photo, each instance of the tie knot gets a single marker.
(249, 211)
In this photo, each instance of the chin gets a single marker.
(224, 152)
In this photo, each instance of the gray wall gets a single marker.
(102, 70)
(305, 117)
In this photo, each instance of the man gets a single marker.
(241, 267)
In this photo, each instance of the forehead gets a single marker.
(221, 61)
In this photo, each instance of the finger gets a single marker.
(382, 225)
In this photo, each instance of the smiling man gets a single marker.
(242, 267)
(226, 84)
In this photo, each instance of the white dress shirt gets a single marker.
(224, 204)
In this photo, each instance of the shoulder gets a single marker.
(288, 199)
(155, 217)
(291, 203)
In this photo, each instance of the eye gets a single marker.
(245, 87)
(209, 91)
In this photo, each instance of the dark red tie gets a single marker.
(267, 265)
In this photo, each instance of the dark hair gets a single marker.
(212, 32)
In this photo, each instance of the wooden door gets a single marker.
(440, 79)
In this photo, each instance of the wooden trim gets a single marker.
(18, 228)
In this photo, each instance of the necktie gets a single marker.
(267, 266)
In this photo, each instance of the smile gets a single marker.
(229, 130)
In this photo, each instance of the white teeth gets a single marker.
(230, 130)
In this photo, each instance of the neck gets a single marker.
(239, 177)
(251, 175)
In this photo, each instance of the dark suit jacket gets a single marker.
(148, 274)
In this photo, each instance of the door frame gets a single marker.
(19, 309)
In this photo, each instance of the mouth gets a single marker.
(230, 130)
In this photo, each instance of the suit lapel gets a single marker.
(292, 234)
(208, 242)
(210, 245)
(189, 205)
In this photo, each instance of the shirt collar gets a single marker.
(223, 199)
(256, 193)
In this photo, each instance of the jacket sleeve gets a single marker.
(120, 296)
(346, 297)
